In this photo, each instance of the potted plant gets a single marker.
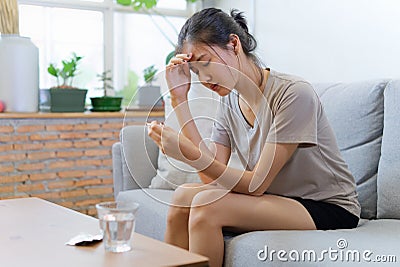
(64, 97)
(106, 102)
(149, 96)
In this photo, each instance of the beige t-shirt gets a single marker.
(292, 113)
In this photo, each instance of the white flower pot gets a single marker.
(19, 73)
(149, 96)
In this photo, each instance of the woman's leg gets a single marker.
(240, 213)
(178, 213)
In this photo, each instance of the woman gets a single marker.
(295, 177)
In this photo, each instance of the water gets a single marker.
(117, 230)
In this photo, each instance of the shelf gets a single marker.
(87, 114)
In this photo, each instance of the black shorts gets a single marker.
(328, 216)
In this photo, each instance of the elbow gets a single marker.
(259, 191)
(258, 185)
(256, 194)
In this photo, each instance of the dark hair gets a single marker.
(212, 26)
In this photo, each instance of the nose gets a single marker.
(204, 77)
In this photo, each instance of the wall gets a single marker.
(244, 6)
(64, 160)
(330, 40)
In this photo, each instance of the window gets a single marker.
(58, 32)
(139, 44)
(106, 35)
(172, 4)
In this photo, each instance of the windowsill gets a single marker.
(87, 114)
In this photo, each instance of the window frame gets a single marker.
(108, 8)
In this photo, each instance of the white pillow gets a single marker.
(203, 105)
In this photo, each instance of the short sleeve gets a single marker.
(220, 132)
(296, 116)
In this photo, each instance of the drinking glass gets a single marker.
(117, 223)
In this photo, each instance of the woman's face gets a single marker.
(215, 67)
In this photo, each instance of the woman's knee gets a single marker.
(202, 217)
(208, 197)
(180, 204)
(177, 215)
(184, 194)
(204, 212)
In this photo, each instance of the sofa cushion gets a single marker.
(380, 237)
(389, 165)
(355, 111)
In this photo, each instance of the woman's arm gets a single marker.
(186, 122)
(257, 181)
(190, 130)
(178, 79)
(222, 154)
(273, 157)
(295, 119)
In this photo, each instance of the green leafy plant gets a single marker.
(106, 80)
(67, 72)
(149, 74)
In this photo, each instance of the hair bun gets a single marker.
(240, 19)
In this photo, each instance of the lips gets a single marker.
(214, 87)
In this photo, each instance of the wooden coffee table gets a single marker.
(33, 232)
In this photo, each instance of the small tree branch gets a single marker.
(167, 20)
(159, 28)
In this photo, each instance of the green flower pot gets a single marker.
(106, 103)
(67, 100)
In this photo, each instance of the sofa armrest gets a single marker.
(117, 168)
(134, 159)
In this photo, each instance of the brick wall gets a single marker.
(64, 160)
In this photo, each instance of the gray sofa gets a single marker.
(366, 120)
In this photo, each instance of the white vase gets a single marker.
(19, 73)
(149, 96)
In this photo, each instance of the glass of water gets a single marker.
(117, 223)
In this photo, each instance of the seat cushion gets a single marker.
(381, 237)
(355, 112)
(389, 165)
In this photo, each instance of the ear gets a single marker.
(234, 42)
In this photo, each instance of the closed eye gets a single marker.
(207, 63)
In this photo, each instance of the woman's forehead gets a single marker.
(196, 48)
(199, 49)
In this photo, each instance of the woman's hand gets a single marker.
(178, 77)
(172, 143)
